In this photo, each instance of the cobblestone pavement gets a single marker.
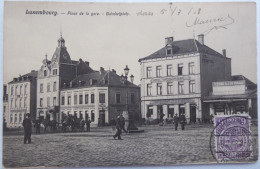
(158, 145)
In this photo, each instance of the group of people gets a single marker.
(181, 120)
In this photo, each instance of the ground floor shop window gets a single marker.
(170, 111)
(92, 116)
(149, 111)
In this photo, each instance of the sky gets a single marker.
(113, 41)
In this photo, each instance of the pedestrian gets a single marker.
(122, 123)
(82, 124)
(118, 129)
(88, 124)
(37, 126)
(182, 121)
(176, 121)
(27, 126)
(113, 124)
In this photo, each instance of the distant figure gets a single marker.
(161, 118)
(27, 125)
(182, 121)
(82, 124)
(122, 123)
(118, 129)
(211, 118)
(88, 125)
(176, 121)
(113, 124)
(37, 126)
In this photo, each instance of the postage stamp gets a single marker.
(232, 138)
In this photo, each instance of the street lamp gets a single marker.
(131, 125)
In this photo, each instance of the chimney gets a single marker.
(224, 52)
(168, 40)
(91, 82)
(87, 63)
(101, 69)
(113, 70)
(15, 79)
(201, 39)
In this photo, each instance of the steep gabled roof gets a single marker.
(183, 47)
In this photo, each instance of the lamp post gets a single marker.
(131, 125)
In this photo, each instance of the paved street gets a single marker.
(158, 145)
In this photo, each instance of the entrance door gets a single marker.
(160, 112)
(181, 109)
(192, 113)
(102, 117)
(86, 116)
(170, 111)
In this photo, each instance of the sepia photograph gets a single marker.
(95, 84)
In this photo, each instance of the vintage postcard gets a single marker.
(129, 84)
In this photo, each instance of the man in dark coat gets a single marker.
(88, 125)
(122, 123)
(27, 125)
(118, 129)
(182, 121)
(37, 126)
(176, 121)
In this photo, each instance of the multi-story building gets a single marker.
(178, 76)
(51, 76)
(5, 105)
(237, 96)
(100, 96)
(21, 98)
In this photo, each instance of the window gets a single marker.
(41, 88)
(149, 71)
(192, 86)
(11, 118)
(54, 86)
(101, 97)
(159, 89)
(75, 99)
(15, 104)
(4, 109)
(92, 115)
(180, 67)
(48, 87)
(169, 51)
(15, 118)
(20, 102)
(16, 92)
(20, 117)
(191, 68)
(54, 71)
(158, 71)
(45, 72)
(149, 111)
(25, 89)
(149, 89)
(75, 113)
(169, 70)
(12, 90)
(48, 102)
(132, 98)
(92, 98)
(118, 98)
(54, 101)
(25, 102)
(11, 103)
(21, 87)
(86, 98)
(69, 100)
(181, 87)
(81, 99)
(62, 100)
(41, 102)
(170, 88)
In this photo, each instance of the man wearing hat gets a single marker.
(27, 126)
(176, 121)
(118, 129)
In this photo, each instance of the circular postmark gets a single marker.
(230, 138)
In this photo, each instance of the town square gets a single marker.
(102, 85)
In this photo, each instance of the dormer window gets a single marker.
(168, 50)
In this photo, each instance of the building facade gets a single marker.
(177, 77)
(21, 99)
(5, 106)
(99, 96)
(237, 96)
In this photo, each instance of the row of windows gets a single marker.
(169, 70)
(14, 118)
(19, 90)
(170, 88)
(54, 87)
(18, 103)
(54, 72)
(54, 101)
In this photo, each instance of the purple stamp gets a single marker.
(232, 137)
